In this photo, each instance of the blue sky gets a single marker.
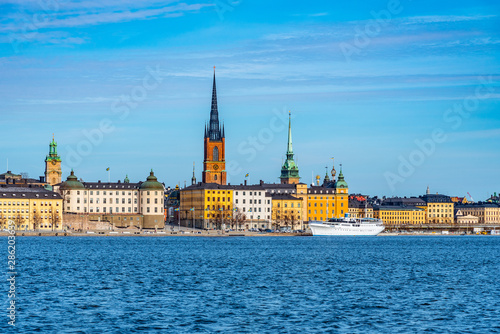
(404, 94)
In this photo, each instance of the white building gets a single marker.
(255, 203)
(115, 201)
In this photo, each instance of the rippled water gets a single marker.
(257, 285)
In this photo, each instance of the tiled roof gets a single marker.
(27, 192)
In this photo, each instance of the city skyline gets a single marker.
(425, 80)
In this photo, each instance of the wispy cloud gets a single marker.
(32, 17)
(444, 18)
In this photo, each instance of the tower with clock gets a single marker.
(214, 163)
(53, 165)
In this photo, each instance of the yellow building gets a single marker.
(287, 211)
(394, 215)
(486, 213)
(439, 209)
(328, 201)
(207, 205)
(31, 209)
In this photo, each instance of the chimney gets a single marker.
(42, 179)
(245, 182)
(261, 182)
(99, 181)
(119, 181)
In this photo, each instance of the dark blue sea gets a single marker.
(448, 284)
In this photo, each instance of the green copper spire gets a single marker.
(52, 156)
(289, 149)
(341, 181)
(289, 171)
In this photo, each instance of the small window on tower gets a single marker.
(215, 177)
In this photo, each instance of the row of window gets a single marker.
(27, 203)
(117, 210)
(255, 210)
(321, 204)
(25, 217)
(218, 192)
(27, 211)
(218, 207)
(117, 201)
(219, 199)
(116, 193)
(252, 201)
(439, 210)
(321, 212)
(254, 193)
(286, 205)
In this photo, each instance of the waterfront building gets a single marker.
(53, 171)
(214, 161)
(287, 211)
(122, 204)
(31, 208)
(289, 170)
(255, 204)
(331, 200)
(465, 219)
(359, 207)
(486, 213)
(439, 209)
(397, 215)
(206, 205)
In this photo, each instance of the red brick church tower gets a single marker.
(214, 164)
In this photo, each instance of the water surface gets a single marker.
(257, 285)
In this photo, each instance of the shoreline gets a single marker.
(204, 234)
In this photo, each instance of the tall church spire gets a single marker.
(214, 130)
(214, 163)
(289, 149)
(290, 170)
(193, 179)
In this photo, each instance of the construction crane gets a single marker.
(471, 199)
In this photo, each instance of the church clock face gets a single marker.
(216, 167)
(54, 162)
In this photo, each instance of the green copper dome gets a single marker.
(72, 183)
(151, 183)
(341, 182)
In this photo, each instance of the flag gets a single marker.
(247, 174)
(177, 209)
(192, 209)
(107, 169)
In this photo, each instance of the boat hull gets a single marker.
(319, 229)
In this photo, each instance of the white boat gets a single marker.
(347, 226)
